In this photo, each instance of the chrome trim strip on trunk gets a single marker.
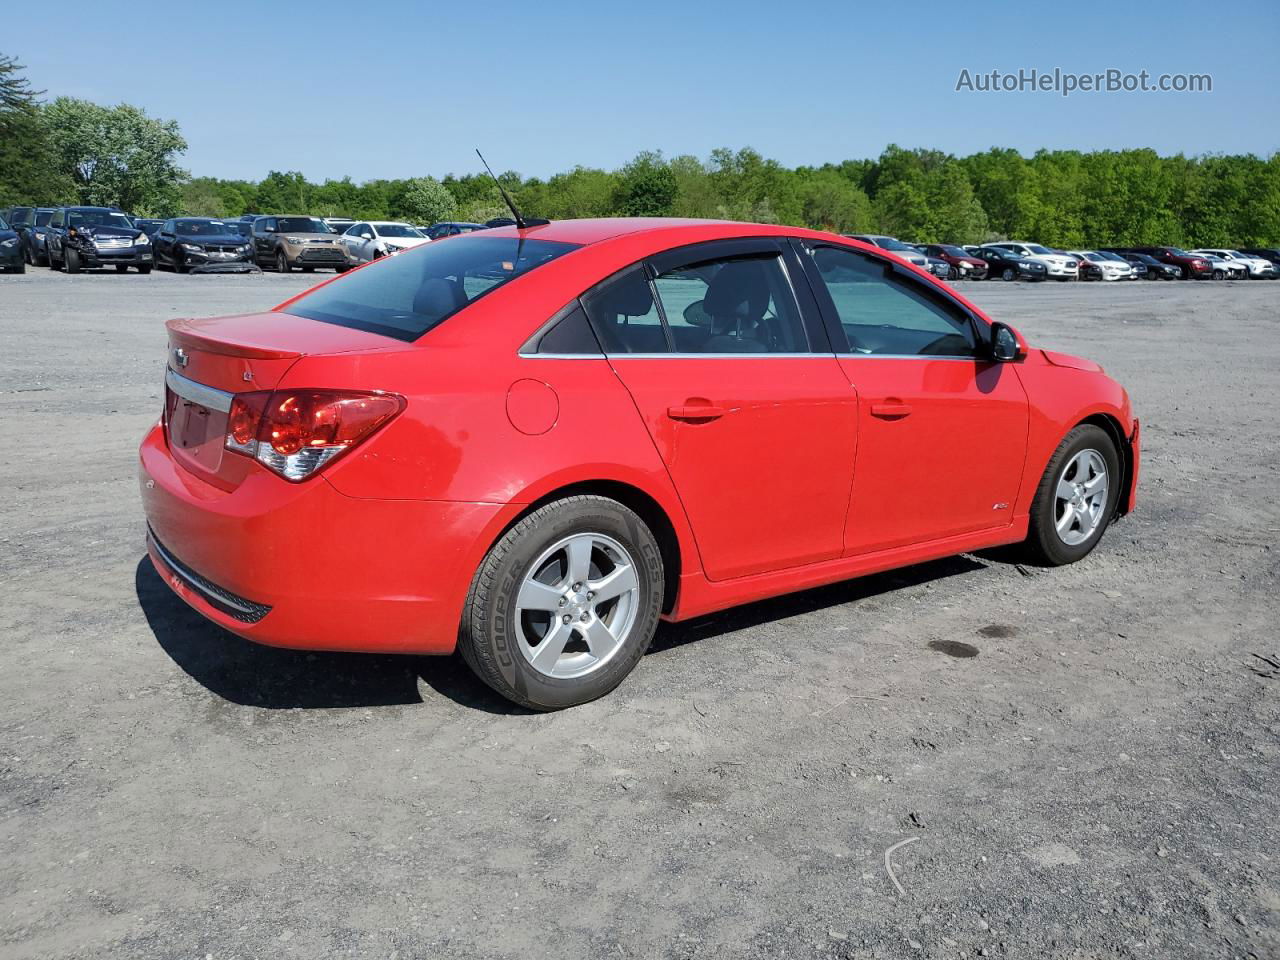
(210, 397)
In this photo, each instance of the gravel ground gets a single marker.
(1097, 778)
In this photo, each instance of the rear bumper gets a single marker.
(304, 566)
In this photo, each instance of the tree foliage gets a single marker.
(116, 155)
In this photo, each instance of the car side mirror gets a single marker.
(1006, 345)
(367, 236)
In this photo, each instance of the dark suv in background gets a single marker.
(80, 237)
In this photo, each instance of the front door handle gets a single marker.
(695, 411)
(891, 411)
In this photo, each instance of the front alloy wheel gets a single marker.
(1076, 498)
(565, 604)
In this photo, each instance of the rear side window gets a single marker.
(887, 314)
(738, 305)
(407, 295)
(625, 315)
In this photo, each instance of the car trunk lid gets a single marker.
(211, 360)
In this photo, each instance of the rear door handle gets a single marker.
(695, 411)
(891, 411)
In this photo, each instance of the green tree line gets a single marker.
(71, 150)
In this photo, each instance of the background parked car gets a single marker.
(964, 265)
(940, 268)
(81, 237)
(1008, 265)
(339, 224)
(1223, 269)
(372, 239)
(1098, 266)
(1060, 266)
(1260, 268)
(1267, 253)
(186, 242)
(1156, 269)
(1137, 269)
(148, 226)
(1190, 267)
(32, 235)
(302, 242)
(10, 250)
(894, 246)
(450, 228)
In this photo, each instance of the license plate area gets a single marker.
(196, 432)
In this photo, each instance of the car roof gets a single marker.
(587, 232)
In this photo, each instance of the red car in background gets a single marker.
(963, 265)
(536, 443)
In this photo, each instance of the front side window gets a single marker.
(888, 314)
(738, 305)
(405, 296)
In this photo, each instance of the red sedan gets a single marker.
(536, 443)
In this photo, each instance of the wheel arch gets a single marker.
(1124, 449)
(644, 504)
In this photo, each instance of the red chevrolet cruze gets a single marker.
(535, 443)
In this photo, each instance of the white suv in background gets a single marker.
(1112, 268)
(1060, 265)
(1255, 267)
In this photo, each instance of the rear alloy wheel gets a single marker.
(282, 262)
(565, 604)
(1076, 498)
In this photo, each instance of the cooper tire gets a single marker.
(494, 634)
(1044, 543)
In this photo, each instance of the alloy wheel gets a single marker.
(1080, 497)
(577, 605)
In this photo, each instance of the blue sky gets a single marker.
(394, 89)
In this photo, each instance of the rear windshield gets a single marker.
(407, 295)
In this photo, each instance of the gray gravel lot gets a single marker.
(1100, 780)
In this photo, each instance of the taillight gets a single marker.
(296, 432)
